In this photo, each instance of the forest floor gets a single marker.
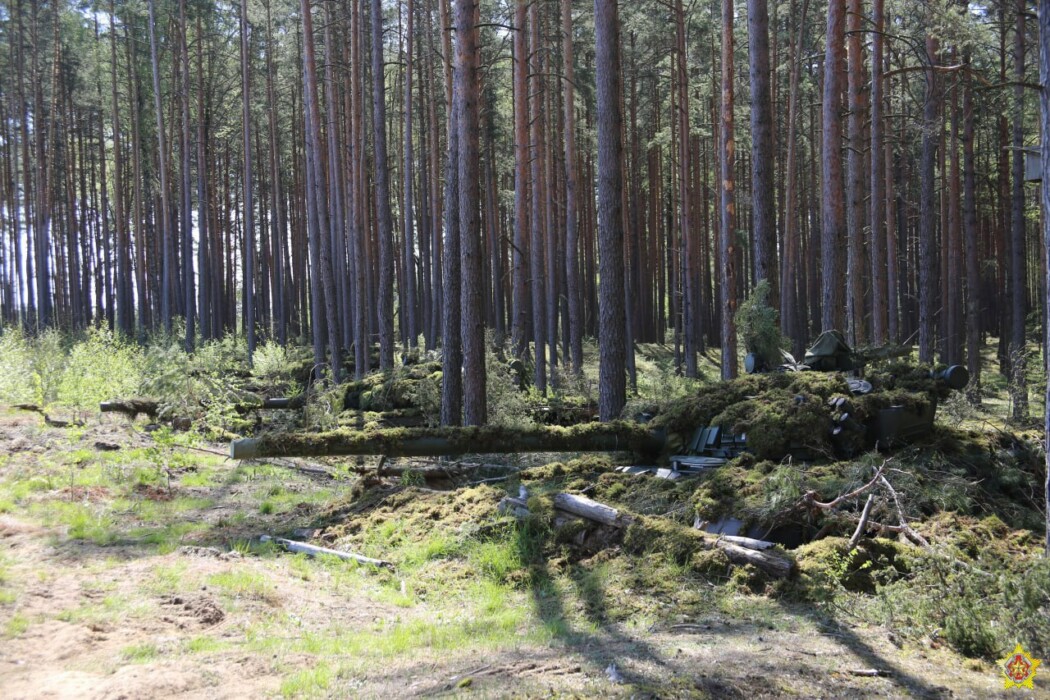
(135, 572)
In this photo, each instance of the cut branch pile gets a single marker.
(569, 508)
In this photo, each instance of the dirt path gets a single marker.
(119, 579)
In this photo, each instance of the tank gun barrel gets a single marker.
(438, 442)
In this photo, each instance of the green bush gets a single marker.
(979, 614)
(16, 367)
(758, 326)
(100, 367)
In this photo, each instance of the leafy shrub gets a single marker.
(981, 613)
(203, 386)
(98, 368)
(508, 405)
(16, 367)
(758, 326)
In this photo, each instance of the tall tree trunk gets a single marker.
(973, 280)
(451, 337)
(408, 305)
(246, 178)
(727, 233)
(833, 213)
(519, 323)
(1044, 112)
(539, 219)
(572, 244)
(1018, 277)
(125, 311)
(189, 302)
(763, 196)
(277, 216)
(167, 251)
(382, 181)
(689, 314)
(612, 351)
(877, 216)
(322, 284)
(472, 320)
(927, 215)
(855, 177)
(792, 320)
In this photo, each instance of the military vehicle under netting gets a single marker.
(831, 404)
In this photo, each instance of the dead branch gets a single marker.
(312, 550)
(862, 523)
(810, 498)
(908, 531)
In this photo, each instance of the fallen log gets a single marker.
(585, 508)
(749, 542)
(739, 550)
(425, 442)
(151, 407)
(770, 564)
(312, 550)
(131, 407)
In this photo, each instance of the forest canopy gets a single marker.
(422, 173)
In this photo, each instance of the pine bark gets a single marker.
(877, 202)
(246, 180)
(475, 410)
(1044, 113)
(1018, 247)
(382, 189)
(572, 263)
(833, 219)
(856, 119)
(763, 196)
(612, 351)
(727, 233)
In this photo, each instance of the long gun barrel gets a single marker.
(435, 442)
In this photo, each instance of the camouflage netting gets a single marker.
(791, 412)
(778, 412)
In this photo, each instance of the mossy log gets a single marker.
(581, 507)
(770, 564)
(131, 407)
(584, 507)
(424, 442)
(151, 408)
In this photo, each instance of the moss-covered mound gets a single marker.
(778, 412)
(798, 413)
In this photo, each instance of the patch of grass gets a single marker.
(267, 508)
(308, 683)
(437, 546)
(496, 559)
(245, 584)
(201, 478)
(140, 653)
(168, 578)
(16, 626)
(83, 521)
(109, 609)
(301, 567)
(203, 645)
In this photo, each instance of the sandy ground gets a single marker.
(125, 621)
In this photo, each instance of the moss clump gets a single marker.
(674, 541)
(779, 422)
(587, 466)
(397, 442)
(775, 410)
(758, 326)
(828, 565)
